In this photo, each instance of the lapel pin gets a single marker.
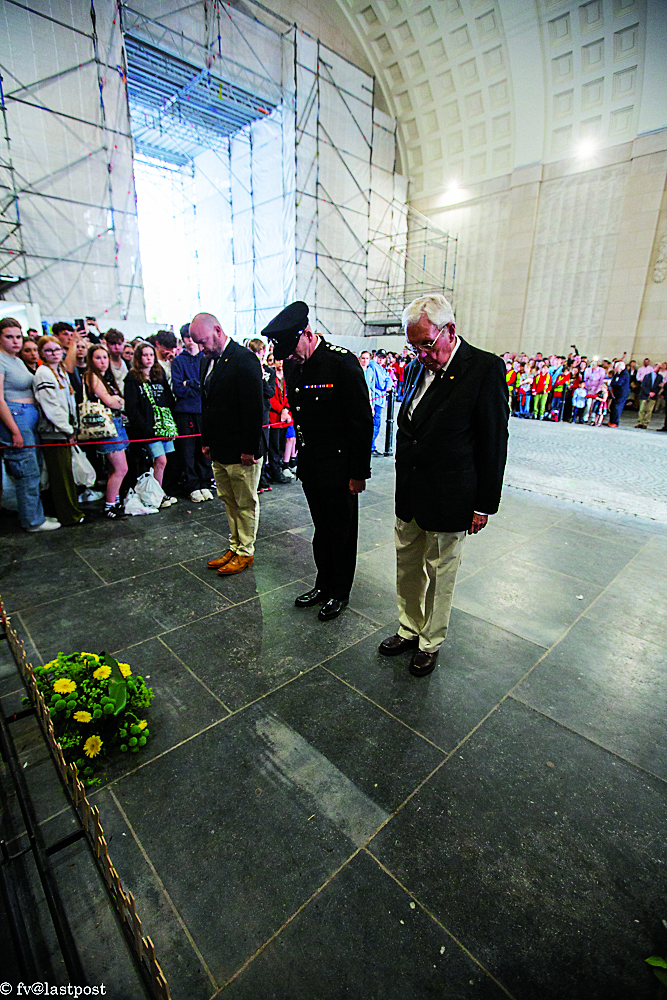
(451, 376)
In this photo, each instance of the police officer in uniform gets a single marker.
(333, 421)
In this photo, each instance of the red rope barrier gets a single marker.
(68, 444)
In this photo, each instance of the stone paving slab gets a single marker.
(622, 470)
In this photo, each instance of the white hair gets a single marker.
(436, 308)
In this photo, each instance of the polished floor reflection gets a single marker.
(312, 822)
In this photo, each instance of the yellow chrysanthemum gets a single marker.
(92, 746)
(64, 686)
(82, 716)
(47, 666)
(142, 724)
(102, 673)
(125, 669)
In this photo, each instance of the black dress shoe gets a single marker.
(396, 644)
(422, 663)
(314, 596)
(332, 609)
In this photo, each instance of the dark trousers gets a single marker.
(276, 451)
(616, 409)
(197, 471)
(61, 483)
(335, 514)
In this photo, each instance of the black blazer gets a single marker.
(648, 385)
(451, 454)
(232, 404)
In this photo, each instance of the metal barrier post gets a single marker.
(390, 423)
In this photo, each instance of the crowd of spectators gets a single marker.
(577, 389)
(150, 391)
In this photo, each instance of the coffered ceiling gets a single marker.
(482, 86)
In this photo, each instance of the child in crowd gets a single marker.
(561, 382)
(541, 389)
(578, 404)
(599, 407)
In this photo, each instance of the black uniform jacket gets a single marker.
(232, 404)
(451, 454)
(333, 420)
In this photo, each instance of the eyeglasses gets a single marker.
(51, 350)
(426, 347)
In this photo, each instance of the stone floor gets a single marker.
(311, 822)
(623, 470)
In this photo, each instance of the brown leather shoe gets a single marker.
(422, 663)
(236, 565)
(396, 644)
(217, 563)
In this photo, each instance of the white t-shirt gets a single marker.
(119, 374)
(166, 365)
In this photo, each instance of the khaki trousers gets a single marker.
(237, 488)
(426, 566)
(646, 408)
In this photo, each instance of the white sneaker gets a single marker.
(50, 524)
(88, 496)
(197, 496)
(207, 495)
(288, 474)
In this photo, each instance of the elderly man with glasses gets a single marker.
(451, 448)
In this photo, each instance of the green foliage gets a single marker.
(659, 968)
(93, 715)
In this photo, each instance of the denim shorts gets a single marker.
(118, 444)
(158, 448)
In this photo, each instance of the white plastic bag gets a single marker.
(82, 470)
(149, 490)
(133, 505)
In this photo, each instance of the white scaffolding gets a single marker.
(291, 168)
(66, 170)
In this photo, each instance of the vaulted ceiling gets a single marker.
(482, 86)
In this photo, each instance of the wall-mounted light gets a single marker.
(586, 148)
(454, 194)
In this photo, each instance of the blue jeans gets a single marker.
(524, 404)
(378, 410)
(22, 464)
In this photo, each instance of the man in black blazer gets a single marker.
(451, 449)
(232, 405)
(648, 396)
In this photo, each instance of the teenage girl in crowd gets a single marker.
(280, 418)
(29, 355)
(100, 384)
(57, 425)
(146, 386)
(18, 428)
